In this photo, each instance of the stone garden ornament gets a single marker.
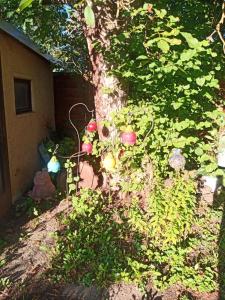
(177, 160)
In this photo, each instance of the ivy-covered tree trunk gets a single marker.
(109, 94)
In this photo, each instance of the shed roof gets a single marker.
(22, 38)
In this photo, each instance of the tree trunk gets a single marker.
(109, 94)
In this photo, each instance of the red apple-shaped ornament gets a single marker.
(129, 137)
(92, 126)
(87, 147)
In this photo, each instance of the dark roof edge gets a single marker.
(22, 38)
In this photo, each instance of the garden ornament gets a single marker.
(109, 162)
(43, 154)
(43, 186)
(177, 160)
(211, 182)
(53, 165)
(221, 159)
(85, 147)
(128, 137)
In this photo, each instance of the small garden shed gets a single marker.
(26, 111)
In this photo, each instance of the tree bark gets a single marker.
(110, 95)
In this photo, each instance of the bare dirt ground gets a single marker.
(28, 251)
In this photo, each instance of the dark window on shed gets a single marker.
(22, 95)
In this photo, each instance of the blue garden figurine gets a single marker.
(53, 165)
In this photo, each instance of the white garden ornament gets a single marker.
(221, 159)
(211, 182)
(177, 160)
(221, 152)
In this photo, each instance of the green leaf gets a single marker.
(210, 168)
(142, 57)
(205, 157)
(24, 4)
(187, 55)
(199, 151)
(179, 144)
(219, 172)
(89, 16)
(192, 42)
(161, 13)
(72, 187)
(176, 105)
(175, 41)
(200, 81)
(164, 46)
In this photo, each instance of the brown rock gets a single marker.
(88, 179)
(123, 291)
(172, 293)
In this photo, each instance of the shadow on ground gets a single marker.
(221, 254)
(26, 254)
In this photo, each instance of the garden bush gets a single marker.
(173, 102)
(170, 243)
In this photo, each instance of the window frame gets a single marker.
(29, 107)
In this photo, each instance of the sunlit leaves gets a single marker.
(192, 42)
(163, 45)
(200, 81)
(161, 13)
(89, 16)
(24, 4)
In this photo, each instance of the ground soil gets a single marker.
(27, 252)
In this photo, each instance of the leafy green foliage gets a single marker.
(104, 242)
(33, 208)
(172, 77)
(173, 103)
(4, 283)
(54, 28)
(71, 180)
(65, 148)
(172, 210)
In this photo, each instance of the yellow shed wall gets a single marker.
(25, 131)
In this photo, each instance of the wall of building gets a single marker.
(70, 89)
(25, 131)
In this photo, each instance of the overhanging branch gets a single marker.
(219, 28)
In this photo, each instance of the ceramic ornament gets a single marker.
(177, 160)
(43, 186)
(211, 182)
(53, 165)
(221, 159)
